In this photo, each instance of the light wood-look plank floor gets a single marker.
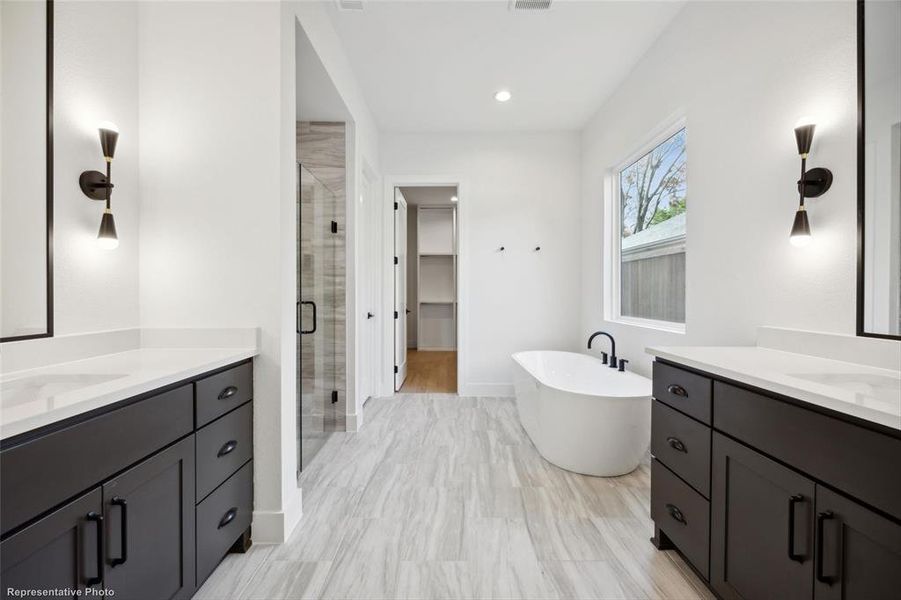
(432, 371)
(440, 496)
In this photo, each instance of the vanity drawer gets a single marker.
(221, 519)
(41, 473)
(851, 458)
(222, 447)
(222, 392)
(683, 445)
(682, 514)
(685, 391)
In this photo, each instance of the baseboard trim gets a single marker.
(276, 526)
(353, 422)
(268, 527)
(487, 389)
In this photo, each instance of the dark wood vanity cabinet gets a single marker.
(858, 552)
(149, 515)
(137, 529)
(802, 504)
(762, 517)
(58, 551)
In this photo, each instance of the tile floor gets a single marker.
(440, 496)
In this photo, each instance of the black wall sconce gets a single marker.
(813, 183)
(98, 186)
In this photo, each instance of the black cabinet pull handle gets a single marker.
(821, 522)
(228, 517)
(676, 444)
(97, 518)
(675, 513)
(677, 390)
(227, 448)
(315, 318)
(792, 501)
(122, 504)
(228, 392)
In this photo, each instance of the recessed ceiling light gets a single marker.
(503, 96)
(454, 198)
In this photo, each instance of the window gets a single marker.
(649, 280)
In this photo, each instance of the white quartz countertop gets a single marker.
(34, 398)
(862, 391)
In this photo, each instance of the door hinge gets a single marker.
(395, 260)
(395, 368)
(395, 206)
(395, 314)
(334, 396)
(334, 226)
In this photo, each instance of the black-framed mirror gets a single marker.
(879, 168)
(26, 170)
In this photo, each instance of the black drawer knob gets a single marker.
(676, 444)
(675, 513)
(228, 392)
(228, 517)
(227, 448)
(677, 390)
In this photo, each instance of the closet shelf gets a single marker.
(437, 301)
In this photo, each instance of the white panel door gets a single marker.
(368, 298)
(400, 289)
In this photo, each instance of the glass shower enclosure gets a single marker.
(317, 315)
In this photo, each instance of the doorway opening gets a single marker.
(426, 296)
(324, 128)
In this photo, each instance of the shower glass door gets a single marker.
(317, 317)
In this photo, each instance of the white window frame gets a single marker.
(612, 217)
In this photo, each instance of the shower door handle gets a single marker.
(303, 331)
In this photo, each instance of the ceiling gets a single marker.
(435, 66)
(429, 196)
(317, 97)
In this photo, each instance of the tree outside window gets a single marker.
(652, 195)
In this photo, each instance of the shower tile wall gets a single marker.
(321, 150)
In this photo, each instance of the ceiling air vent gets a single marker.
(530, 4)
(350, 4)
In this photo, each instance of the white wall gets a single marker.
(211, 217)
(741, 90)
(517, 191)
(218, 187)
(96, 79)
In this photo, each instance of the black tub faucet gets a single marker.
(612, 359)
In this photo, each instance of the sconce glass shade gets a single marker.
(804, 137)
(109, 135)
(106, 237)
(800, 235)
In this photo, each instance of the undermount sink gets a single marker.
(44, 387)
(881, 387)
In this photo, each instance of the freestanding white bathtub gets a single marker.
(582, 415)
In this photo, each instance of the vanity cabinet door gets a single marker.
(858, 552)
(762, 522)
(149, 512)
(57, 552)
